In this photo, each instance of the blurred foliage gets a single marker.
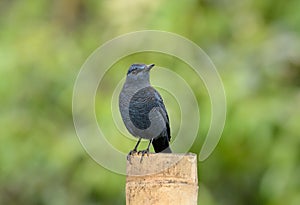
(254, 44)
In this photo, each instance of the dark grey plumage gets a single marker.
(142, 109)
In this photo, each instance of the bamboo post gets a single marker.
(162, 179)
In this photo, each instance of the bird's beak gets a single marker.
(150, 66)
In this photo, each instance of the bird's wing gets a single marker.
(142, 103)
(163, 111)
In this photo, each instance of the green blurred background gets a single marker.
(255, 46)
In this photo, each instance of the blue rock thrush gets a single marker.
(143, 111)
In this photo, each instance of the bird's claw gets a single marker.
(131, 153)
(143, 152)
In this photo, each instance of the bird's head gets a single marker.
(138, 69)
(138, 72)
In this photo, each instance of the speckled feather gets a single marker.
(142, 103)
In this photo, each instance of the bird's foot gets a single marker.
(143, 152)
(131, 153)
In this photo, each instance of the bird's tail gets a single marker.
(161, 144)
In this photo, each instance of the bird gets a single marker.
(143, 111)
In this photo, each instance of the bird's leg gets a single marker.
(136, 146)
(146, 151)
(134, 149)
